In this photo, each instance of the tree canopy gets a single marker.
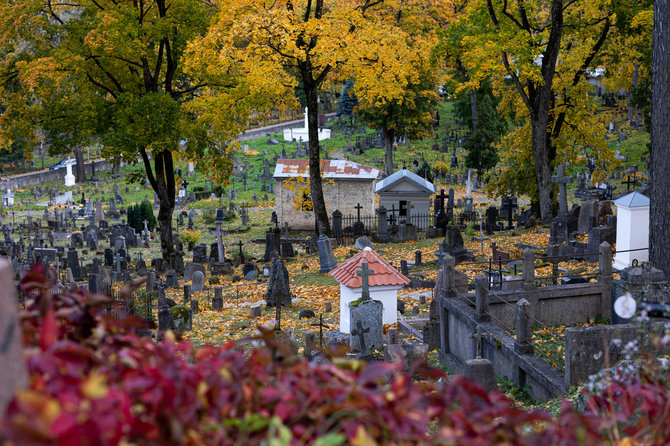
(113, 71)
(275, 43)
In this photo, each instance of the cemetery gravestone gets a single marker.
(326, 255)
(198, 283)
(279, 288)
(366, 320)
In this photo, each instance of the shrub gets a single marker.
(94, 382)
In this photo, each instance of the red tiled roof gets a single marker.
(385, 274)
(329, 169)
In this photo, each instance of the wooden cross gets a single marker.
(358, 208)
(364, 273)
(562, 181)
(321, 326)
(479, 336)
(240, 245)
(360, 332)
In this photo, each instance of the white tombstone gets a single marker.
(8, 198)
(69, 178)
(190, 170)
(302, 134)
(632, 230)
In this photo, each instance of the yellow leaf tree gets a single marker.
(112, 71)
(537, 53)
(314, 41)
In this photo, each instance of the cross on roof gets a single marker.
(562, 181)
(364, 273)
(479, 336)
(360, 332)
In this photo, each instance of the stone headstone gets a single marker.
(367, 332)
(587, 214)
(14, 374)
(279, 288)
(326, 255)
(190, 268)
(363, 242)
(198, 283)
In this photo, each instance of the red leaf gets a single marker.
(49, 331)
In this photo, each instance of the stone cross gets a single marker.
(358, 208)
(321, 326)
(146, 227)
(219, 242)
(441, 198)
(364, 273)
(479, 336)
(360, 332)
(118, 259)
(562, 181)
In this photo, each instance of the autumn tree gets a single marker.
(543, 48)
(111, 70)
(659, 212)
(316, 41)
(411, 114)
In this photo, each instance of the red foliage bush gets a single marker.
(93, 381)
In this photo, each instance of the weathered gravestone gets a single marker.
(326, 255)
(14, 374)
(190, 268)
(366, 316)
(198, 283)
(279, 288)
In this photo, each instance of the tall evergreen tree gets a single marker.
(348, 102)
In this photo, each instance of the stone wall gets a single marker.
(458, 322)
(45, 176)
(339, 194)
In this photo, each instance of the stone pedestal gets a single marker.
(481, 371)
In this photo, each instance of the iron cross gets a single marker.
(479, 336)
(321, 326)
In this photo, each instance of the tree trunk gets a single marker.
(389, 138)
(315, 186)
(79, 168)
(540, 146)
(164, 186)
(659, 213)
(473, 109)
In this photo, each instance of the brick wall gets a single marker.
(338, 194)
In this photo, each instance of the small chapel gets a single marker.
(384, 282)
(347, 187)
